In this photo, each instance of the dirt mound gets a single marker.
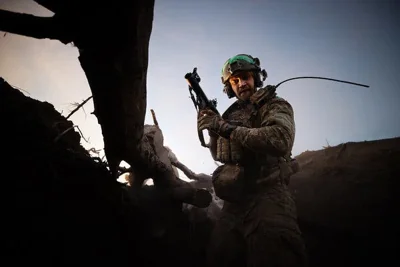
(347, 199)
(63, 207)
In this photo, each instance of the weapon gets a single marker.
(199, 98)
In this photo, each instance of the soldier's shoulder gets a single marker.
(267, 96)
(281, 104)
(277, 104)
(278, 99)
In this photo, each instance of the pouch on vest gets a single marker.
(228, 182)
(286, 168)
(229, 151)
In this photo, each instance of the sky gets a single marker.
(350, 40)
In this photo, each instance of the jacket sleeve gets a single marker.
(276, 134)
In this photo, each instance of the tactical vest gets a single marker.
(246, 114)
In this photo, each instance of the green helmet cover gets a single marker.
(238, 63)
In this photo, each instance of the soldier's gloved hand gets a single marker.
(214, 123)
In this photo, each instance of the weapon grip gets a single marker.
(201, 138)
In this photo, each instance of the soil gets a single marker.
(347, 198)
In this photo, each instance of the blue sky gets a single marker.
(350, 40)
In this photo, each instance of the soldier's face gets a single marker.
(243, 85)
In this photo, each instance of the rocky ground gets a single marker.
(62, 208)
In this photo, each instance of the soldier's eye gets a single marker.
(234, 81)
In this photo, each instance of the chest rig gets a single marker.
(244, 169)
(245, 114)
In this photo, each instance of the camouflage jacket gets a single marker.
(266, 131)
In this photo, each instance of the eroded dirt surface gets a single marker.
(63, 208)
(347, 198)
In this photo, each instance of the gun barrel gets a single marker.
(200, 101)
(197, 89)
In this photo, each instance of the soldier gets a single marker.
(253, 139)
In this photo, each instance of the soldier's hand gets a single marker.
(214, 123)
(206, 119)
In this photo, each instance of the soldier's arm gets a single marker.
(277, 131)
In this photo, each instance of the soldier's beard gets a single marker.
(245, 93)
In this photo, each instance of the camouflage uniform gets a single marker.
(260, 228)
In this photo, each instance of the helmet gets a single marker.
(239, 63)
